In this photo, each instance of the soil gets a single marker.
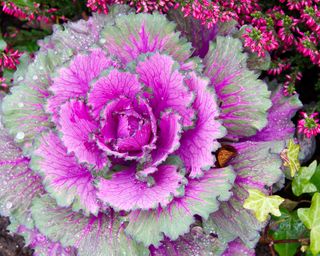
(11, 245)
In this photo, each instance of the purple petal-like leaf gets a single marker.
(112, 86)
(169, 133)
(77, 127)
(73, 81)
(125, 192)
(65, 180)
(161, 75)
(198, 143)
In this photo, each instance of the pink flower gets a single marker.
(309, 125)
(11, 9)
(307, 46)
(10, 58)
(277, 67)
(259, 41)
(289, 85)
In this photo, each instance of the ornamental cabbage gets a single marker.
(109, 138)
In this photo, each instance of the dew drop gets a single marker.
(20, 105)
(20, 78)
(102, 41)
(20, 135)
(35, 77)
(9, 205)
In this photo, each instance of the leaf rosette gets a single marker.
(110, 135)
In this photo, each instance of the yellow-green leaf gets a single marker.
(291, 158)
(311, 219)
(262, 204)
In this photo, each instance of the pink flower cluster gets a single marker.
(289, 85)
(309, 124)
(260, 41)
(163, 6)
(300, 30)
(9, 58)
(27, 13)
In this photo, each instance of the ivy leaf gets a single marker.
(301, 182)
(316, 178)
(292, 157)
(289, 227)
(311, 219)
(262, 204)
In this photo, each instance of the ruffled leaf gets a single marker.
(18, 185)
(77, 126)
(244, 99)
(262, 204)
(311, 219)
(169, 133)
(257, 165)
(93, 235)
(136, 34)
(202, 197)
(280, 126)
(124, 192)
(111, 86)
(23, 110)
(65, 180)
(197, 144)
(42, 245)
(196, 33)
(301, 182)
(73, 81)
(161, 75)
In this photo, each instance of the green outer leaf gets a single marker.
(289, 227)
(262, 204)
(311, 219)
(257, 164)
(127, 35)
(244, 98)
(99, 236)
(202, 197)
(301, 182)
